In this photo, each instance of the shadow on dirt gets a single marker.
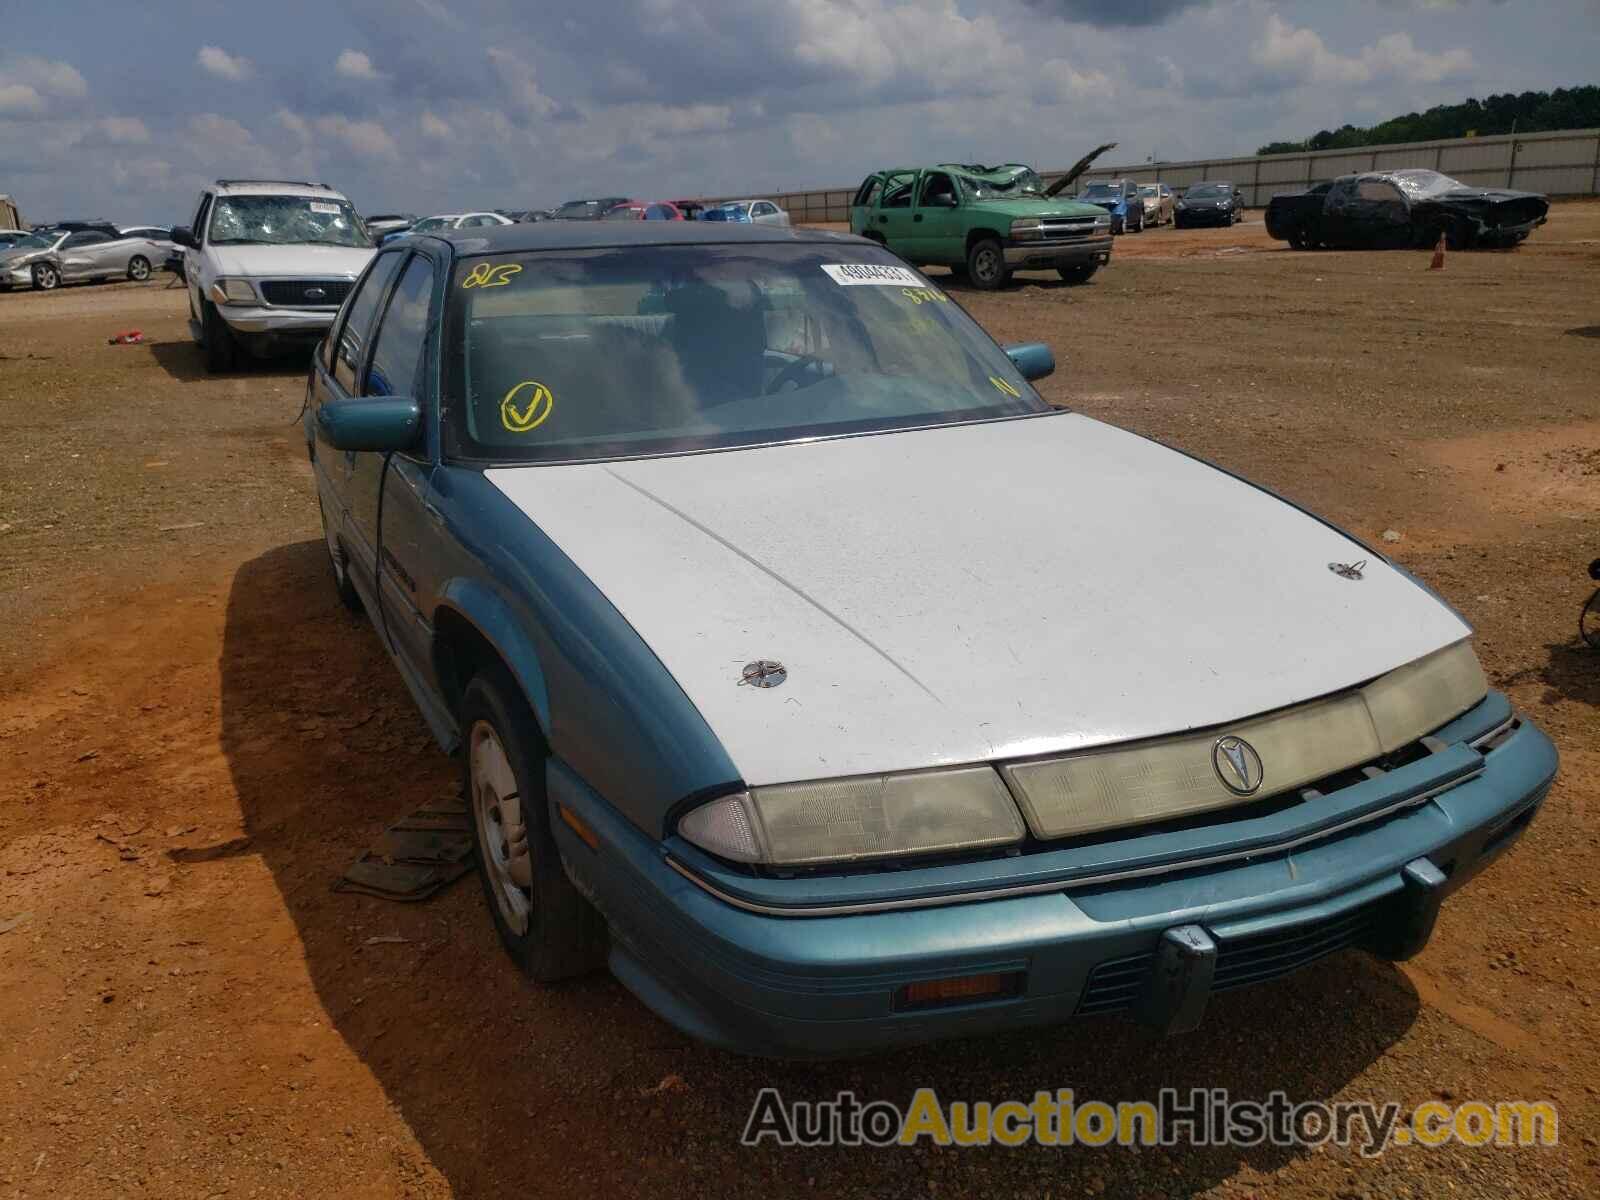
(186, 362)
(578, 1089)
(1572, 671)
(1585, 331)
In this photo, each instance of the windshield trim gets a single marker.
(492, 464)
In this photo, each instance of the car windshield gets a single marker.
(282, 220)
(1024, 183)
(1101, 191)
(1206, 191)
(727, 212)
(1149, 191)
(620, 352)
(428, 223)
(578, 210)
(1423, 182)
(30, 241)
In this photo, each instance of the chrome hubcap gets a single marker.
(140, 270)
(502, 831)
(986, 264)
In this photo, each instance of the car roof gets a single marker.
(596, 235)
(273, 187)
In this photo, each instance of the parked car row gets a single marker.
(387, 227)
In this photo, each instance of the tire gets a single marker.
(339, 566)
(986, 265)
(222, 353)
(46, 278)
(550, 931)
(138, 268)
(1079, 274)
(1589, 621)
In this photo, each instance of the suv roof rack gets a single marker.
(294, 182)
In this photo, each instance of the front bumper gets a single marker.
(1038, 256)
(17, 276)
(252, 320)
(1204, 216)
(729, 970)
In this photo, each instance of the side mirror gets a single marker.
(183, 236)
(371, 423)
(1034, 360)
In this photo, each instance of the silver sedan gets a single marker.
(47, 258)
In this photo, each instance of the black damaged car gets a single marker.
(1209, 203)
(1387, 210)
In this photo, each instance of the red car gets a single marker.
(645, 210)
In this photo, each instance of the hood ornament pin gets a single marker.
(763, 673)
(1348, 570)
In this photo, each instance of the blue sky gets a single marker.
(437, 105)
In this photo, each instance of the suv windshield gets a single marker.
(572, 355)
(282, 220)
(1101, 191)
(1024, 183)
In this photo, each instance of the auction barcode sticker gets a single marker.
(322, 206)
(851, 274)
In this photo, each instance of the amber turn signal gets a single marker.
(958, 989)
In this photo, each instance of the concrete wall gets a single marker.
(1561, 163)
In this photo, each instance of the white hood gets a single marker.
(294, 259)
(973, 592)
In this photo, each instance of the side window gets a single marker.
(897, 191)
(765, 209)
(867, 193)
(1341, 193)
(657, 212)
(200, 216)
(353, 334)
(1380, 190)
(87, 237)
(938, 189)
(397, 352)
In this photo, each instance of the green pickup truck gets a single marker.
(984, 222)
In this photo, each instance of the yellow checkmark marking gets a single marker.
(539, 405)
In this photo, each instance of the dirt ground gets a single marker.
(195, 741)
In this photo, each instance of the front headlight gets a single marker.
(1025, 228)
(865, 816)
(1103, 222)
(1179, 777)
(233, 291)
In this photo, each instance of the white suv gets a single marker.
(268, 263)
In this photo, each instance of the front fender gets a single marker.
(479, 606)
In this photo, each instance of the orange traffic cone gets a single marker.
(1438, 256)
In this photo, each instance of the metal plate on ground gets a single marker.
(416, 856)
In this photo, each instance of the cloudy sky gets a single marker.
(121, 111)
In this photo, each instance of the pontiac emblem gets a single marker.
(1237, 765)
(763, 673)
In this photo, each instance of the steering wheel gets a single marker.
(802, 373)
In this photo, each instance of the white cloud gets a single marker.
(1297, 56)
(218, 62)
(433, 126)
(353, 64)
(519, 81)
(126, 131)
(367, 138)
(19, 98)
(294, 123)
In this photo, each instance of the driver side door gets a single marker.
(936, 220)
(81, 254)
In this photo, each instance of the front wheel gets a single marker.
(1589, 621)
(1079, 274)
(45, 277)
(222, 354)
(138, 268)
(549, 930)
(986, 265)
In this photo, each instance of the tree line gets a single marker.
(1531, 112)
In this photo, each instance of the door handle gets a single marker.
(918, 217)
